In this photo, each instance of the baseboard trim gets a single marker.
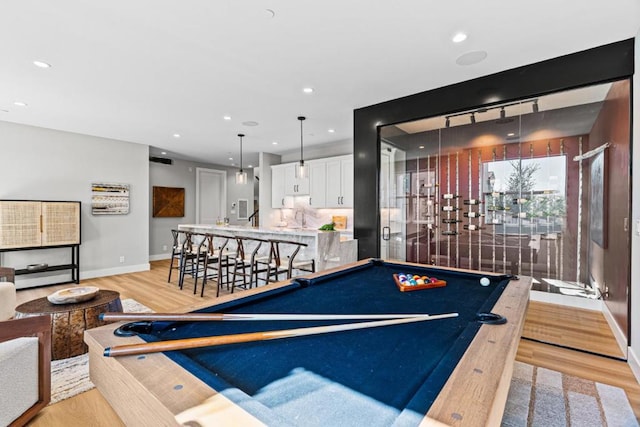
(44, 279)
(634, 363)
(92, 274)
(621, 338)
(160, 257)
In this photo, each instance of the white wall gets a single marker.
(634, 353)
(182, 174)
(45, 164)
(320, 151)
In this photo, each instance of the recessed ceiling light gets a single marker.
(471, 58)
(421, 147)
(20, 104)
(270, 13)
(307, 90)
(510, 134)
(230, 158)
(331, 131)
(249, 166)
(250, 123)
(164, 153)
(41, 64)
(176, 135)
(227, 117)
(274, 143)
(459, 37)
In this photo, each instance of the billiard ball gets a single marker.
(485, 281)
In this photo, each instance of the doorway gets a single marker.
(211, 195)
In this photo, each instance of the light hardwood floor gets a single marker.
(151, 288)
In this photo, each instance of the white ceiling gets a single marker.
(142, 70)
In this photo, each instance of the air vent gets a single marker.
(160, 160)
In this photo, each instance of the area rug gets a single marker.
(546, 398)
(70, 377)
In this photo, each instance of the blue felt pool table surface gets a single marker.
(380, 376)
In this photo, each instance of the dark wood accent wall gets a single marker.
(601, 64)
(610, 265)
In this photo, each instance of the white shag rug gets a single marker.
(70, 377)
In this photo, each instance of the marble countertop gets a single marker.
(312, 232)
(239, 229)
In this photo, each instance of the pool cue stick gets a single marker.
(213, 317)
(189, 343)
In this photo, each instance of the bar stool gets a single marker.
(247, 255)
(176, 251)
(188, 253)
(275, 264)
(214, 258)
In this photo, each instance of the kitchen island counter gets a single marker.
(328, 248)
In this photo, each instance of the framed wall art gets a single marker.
(168, 202)
(109, 199)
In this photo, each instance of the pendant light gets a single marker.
(301, 170)
(241, 176)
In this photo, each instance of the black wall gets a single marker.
(598, 65)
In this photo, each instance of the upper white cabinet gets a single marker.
(339, 182)
(277, 187)
(329, 185)
(318, 183)
(294, 186)
(284, 183)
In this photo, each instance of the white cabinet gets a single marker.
(329, 183)
(318, 184)
(294, 186)
(339, 191)
(284, 183)
(277, 187)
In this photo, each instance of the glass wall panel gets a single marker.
(510, 188)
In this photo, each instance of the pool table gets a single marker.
(455, 371)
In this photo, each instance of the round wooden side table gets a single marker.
(69, 321)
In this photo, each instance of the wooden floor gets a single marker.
(151, 289)
(575, 328)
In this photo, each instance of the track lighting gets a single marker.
(503, 113)
(473, 118)
(447, 122)
(534, 107)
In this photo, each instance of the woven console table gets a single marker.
(69, 321)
